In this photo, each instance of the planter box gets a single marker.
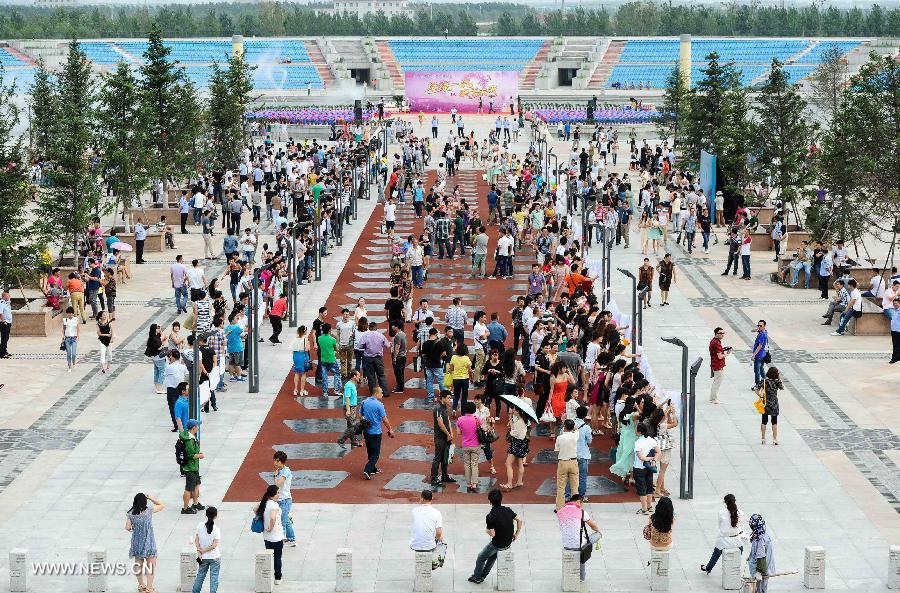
(761, 242)
(794, 239)
(764, 214)
(872, 323)
(35, 320)
(152, 215)
(154, 243)
(862, 275)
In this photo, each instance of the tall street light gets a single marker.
(688, 405)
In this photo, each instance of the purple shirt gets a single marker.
(373, 343)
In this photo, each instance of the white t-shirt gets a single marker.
(504, 245)
(199, 200)
(856, 296)
(390, 212)
(643, 446)
(745, 248)
(70, 327)
(479, 336)
(425, 521)
(277, 533)
(195, 277)
(284, 493)
(206, 540)
(877, 285)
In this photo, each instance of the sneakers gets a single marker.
(189, 511)
(367, 475)
(837, 333)
(198, 506)
(476, 580)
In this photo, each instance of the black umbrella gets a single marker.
(521, 404)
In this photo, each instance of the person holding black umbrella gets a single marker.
(517, 436)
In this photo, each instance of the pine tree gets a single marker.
(123, 119)
(826, 82)
(717, 123)
(164, 89)
(42, 111)
(674, 108)
(229, 97)
(18, 249)
(73, 197)
(783, 135)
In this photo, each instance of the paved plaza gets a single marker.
(76, 447)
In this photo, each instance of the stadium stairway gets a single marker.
(534, 67)
(20, 55)
(604, 68)
(387, 57)
(318, 60)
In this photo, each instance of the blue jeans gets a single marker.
(759, 370)
(286, 522)
(715, 558)
(181, 298)
(582, 478)
(846, 316)
(159, 369)
(417, 276)
(211, 566)
(485, 561)
(432, 375)
(333, 368)
(795, 274)
(71, 350)
(745, 264)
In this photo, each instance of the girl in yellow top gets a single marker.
(459, 370)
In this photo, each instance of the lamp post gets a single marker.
(603, 265)
(640, 325)
(633, 309)
(292, 279)
(688, 399)
(318, 242)
(253, 342)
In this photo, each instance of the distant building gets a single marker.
(363, 8)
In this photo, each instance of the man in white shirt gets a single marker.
(346, 327)
(504, 254)
(854, 308)
(196, 280)
(645, 449)
(876, 285)
(427, 525)
(479, 344)
(566, 461)
(390, 214)
(199, 204)
(248, 245)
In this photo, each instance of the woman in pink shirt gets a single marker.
(468, 425)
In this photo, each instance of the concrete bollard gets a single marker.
(18, 570)
(659, 570)
(422, 575)
(506, 570)
(731, 569)
(893, 580)
(571, 570)
(814, 568)
(343, 570)
(97, 581)
(264, 571)
(187, 569)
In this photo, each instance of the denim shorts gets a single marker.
(643, 481)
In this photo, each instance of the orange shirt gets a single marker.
(74, 285)
(574, 281)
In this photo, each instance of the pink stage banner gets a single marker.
(440, 91)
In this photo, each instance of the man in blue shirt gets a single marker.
(229, 244)
(92, 285)
(760, 348)
(493, 199)
(235, 346)
(140, 236)
(584, 451)
(182, 407)
(183, 208)
(372, 409)
(350, 410)
(418, 198)
(496, 334)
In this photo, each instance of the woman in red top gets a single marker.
(560, 377)
(276, 314)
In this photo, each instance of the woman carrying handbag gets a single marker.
(573, 523)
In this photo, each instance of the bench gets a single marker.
(863, 274)
(873, 322)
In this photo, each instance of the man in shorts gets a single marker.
(191, 469)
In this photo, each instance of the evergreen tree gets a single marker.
(717, 123)
(123, 120)
(18, 250)
(73, 197)
(783, 135)
(42, 111)
(826, 84)
(229, 96)
(674, 108)
(164, 87)
(506, 26)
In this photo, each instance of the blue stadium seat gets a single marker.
(9, 60)
(473, 54)
(267, 77)
(817, 53)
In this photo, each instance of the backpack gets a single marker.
(180, 452)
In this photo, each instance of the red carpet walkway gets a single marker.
(307, 428)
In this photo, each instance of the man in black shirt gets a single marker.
(443, 438)
(503, 525)
(394, 308)
(432, 354)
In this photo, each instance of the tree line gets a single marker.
(268, 18)
(118, 131)
(832, 154)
